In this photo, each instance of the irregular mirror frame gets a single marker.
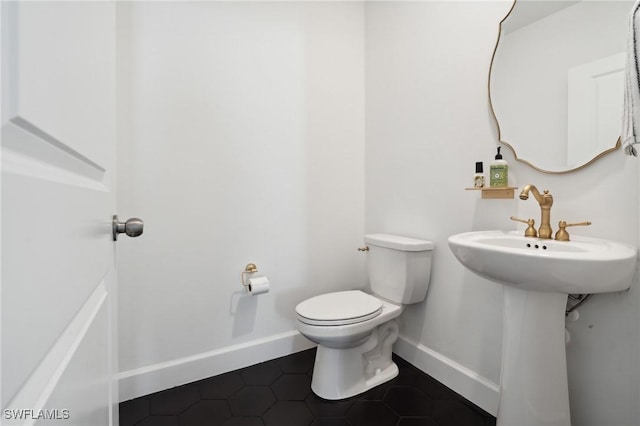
(543, 40)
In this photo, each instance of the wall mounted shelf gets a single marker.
(496, 193)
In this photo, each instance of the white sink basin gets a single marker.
(537, 276)
(582, 265)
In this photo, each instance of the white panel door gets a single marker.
(58, 151)
(595, 101)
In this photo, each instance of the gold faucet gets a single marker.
(546, 201)
(530, 231)
(562, 234)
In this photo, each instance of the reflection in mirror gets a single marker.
(557, 81)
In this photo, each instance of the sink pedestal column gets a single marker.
(533, 383)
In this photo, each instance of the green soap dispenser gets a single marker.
(498, 172)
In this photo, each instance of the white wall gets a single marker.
(427, 123)
(241, 140)
(214, 89)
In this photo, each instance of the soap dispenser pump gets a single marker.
(498, 172)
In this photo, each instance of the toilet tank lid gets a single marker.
(398, 242)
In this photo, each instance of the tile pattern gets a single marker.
(278, 393)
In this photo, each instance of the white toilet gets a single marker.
(354, 330)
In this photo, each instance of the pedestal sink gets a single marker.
(537, 276)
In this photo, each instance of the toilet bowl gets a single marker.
(354, 352)
(355, 331)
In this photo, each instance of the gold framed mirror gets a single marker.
(556, 81)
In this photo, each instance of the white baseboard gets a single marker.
(165, 375)
(477, 389)
(146, 380)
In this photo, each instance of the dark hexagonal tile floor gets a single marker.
(252, 401)
(278, 393)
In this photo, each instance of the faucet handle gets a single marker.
(530, 231)
(562, 234)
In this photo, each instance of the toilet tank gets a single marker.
(399, 267)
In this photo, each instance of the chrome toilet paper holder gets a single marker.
(249, 269)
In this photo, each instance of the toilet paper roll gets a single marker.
(258, 285)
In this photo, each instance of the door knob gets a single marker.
(132, 227)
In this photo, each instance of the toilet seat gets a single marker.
(339, 308)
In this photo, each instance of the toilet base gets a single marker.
(342, 373)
